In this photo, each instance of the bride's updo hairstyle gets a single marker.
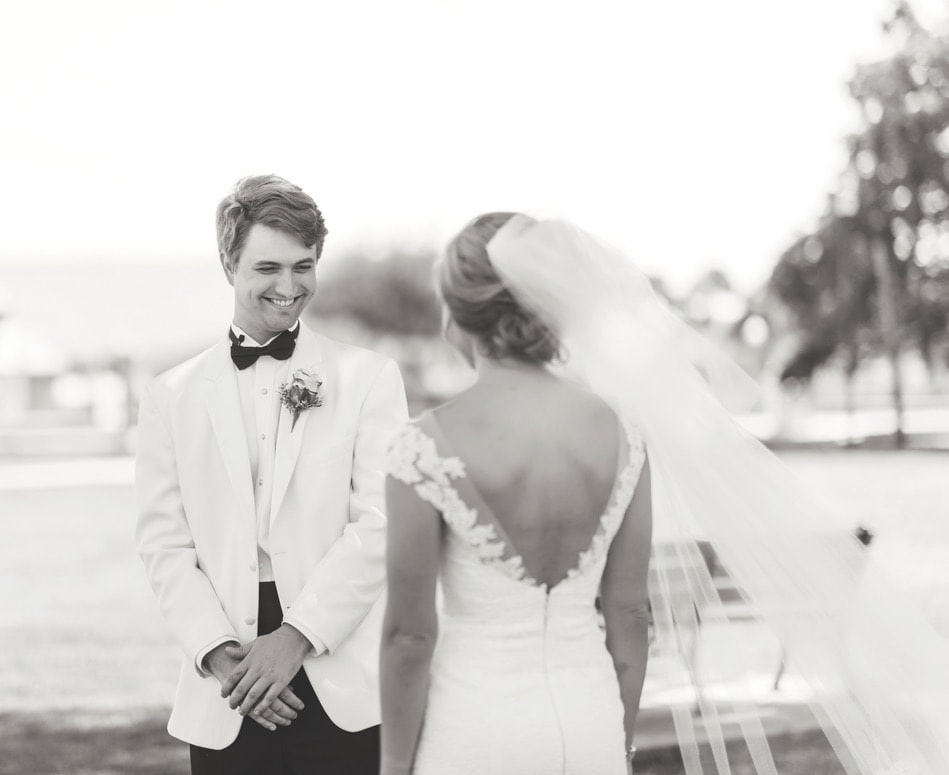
(480, 304)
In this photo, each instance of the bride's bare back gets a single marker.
(543, 454)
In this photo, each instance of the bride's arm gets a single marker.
(625, 599)
(411, 625)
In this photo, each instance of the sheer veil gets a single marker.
(876, 669)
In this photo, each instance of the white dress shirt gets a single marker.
(258, 387)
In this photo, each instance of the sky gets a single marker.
(692, 134)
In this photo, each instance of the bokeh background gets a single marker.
(780, 170)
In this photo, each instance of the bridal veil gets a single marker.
(876, 669)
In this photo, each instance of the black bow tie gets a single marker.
(280, 347)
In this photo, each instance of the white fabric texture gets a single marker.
(876, 668)
(521, 680)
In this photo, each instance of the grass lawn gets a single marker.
(807, 753)
(103, 744)
(88, 670)
(91, 743)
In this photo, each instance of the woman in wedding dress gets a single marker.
(528, 498)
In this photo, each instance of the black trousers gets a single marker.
(311, 745)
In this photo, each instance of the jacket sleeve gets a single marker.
(346, 583)
(186, 598)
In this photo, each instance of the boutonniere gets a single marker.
(300, 393)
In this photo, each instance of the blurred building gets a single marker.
(52, 405)
(30, 366)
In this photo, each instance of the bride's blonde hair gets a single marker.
(480, 304)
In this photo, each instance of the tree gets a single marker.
(394, 295)
(873, 276)
(826, 281)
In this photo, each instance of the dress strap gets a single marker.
(631, 461)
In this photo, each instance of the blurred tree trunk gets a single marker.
(850, 404)
(889, 328)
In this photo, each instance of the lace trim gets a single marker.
(414, 460)
(412, 456)
(613, 516)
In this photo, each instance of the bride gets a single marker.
(526, 491)
(531, 495)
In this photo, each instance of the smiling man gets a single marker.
(261, 511)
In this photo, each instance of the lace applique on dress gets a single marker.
(412, 456)
(414, 460)
(613, 516)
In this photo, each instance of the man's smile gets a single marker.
(282, 302)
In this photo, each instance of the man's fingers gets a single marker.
(231, 682)
(270, 696)
(252, 700)
(239, 692)
(275, 718)
(283, 710)
(268, 725)
(291, 699)
(270, 720)
(254, 694)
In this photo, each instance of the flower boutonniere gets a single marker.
(300, 393)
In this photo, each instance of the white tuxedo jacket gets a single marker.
(197, 535)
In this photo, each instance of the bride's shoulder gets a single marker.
(586, 409)
(409, 435)
(413, 453)
(423, 427)
(590, 417)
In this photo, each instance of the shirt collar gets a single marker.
(249, 341)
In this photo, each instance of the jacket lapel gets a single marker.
(307, 355)
(224, 408)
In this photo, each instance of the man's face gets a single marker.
(273, 278)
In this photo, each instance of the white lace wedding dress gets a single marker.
(521, 680)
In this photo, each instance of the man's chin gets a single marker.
(284, 321)
(272, 324)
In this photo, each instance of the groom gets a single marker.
(260, 512)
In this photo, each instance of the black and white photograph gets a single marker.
(513, 387)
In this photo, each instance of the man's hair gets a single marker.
(271, 201)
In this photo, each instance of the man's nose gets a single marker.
(285, 284)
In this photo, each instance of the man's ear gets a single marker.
(227, 266)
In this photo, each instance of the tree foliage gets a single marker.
(393, 295)
(874, 275)
(827, 282)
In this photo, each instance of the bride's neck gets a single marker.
(507, 370)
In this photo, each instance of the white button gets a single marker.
(250, 620)
(263, 391)
(252, 567)
(263, 436)
(260, 482)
